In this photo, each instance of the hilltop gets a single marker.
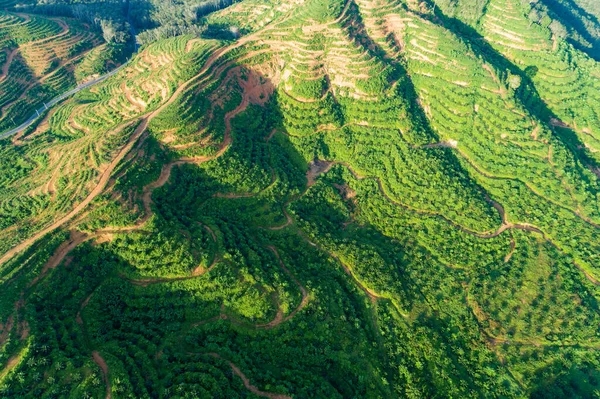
(318, 198)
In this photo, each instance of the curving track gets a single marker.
(56, 100)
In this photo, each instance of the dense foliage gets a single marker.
(342, 199)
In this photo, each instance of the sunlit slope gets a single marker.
(566, 80)
(251, 15)
(38, 56)
(369, 198)
(486, 115)
(70, 149)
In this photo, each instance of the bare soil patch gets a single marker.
(316, 168)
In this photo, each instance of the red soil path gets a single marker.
(247, 383)
(99, 360)
(279, 318)
(145, 119)
(6, 66)
(60, 253)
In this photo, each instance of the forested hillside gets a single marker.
(302, 199)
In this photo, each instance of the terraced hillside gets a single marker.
(40, 59)
(356, 198)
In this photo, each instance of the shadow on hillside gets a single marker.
(14, 110)
(250, 146)
(572, 16)
(358, 32)
(527, 92)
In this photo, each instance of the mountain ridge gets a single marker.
(361, 198)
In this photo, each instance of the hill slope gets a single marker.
(361, 198)
(41, 58)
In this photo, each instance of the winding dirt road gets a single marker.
(61, 252)
(82, 205)
(78, 238)
(145, 282)
(13, 362)
(504, 227)
(247, 383)
(165, 173)
(10, 55)
(13, 53)
(370, 293)
(523, 226)
(491, 234)
(83, 305)
(488, 175)
(99, 360)
(288, 220)
(279, 318)
(145, 119)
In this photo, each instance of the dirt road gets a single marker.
(99, 360)
(247, 383)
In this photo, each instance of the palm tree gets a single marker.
(5, 389)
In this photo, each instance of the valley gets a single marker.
(300, 198)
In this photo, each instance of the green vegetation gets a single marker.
(340, 199)
(41, 59)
